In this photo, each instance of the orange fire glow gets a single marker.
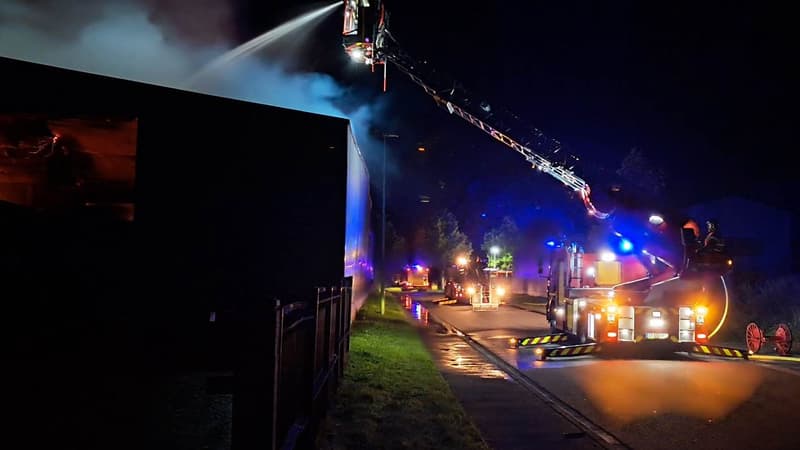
(703, 390)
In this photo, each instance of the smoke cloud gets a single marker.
(166, 43)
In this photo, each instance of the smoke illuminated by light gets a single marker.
(130, 39)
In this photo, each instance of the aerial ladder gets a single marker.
(367, 39)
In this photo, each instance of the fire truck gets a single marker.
(488, 293)
(415, 277)
(455, 277)
(500, 281)
(594, 295)
(615, 294)
(482, 287)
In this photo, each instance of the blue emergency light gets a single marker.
(625, 245)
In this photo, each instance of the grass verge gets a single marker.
(392, 395)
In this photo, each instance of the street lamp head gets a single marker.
(461, 261)
(494, 250)
(656, 219)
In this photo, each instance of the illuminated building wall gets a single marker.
(358, 260)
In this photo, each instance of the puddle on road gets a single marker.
(465, 359)
(418, 312)
(456, 354)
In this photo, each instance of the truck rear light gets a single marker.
(612, 326)
(701, 336)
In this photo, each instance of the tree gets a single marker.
(449, 242)
(507, 239)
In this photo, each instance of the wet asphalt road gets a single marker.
(675, 402)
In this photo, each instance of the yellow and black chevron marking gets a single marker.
(713, 350)
(539, 340)
(448, 302)
(573, 350)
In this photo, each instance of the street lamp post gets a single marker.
(383, 226)
(495, 250)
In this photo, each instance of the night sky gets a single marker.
(706, 91)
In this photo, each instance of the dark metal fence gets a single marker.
(288, 364)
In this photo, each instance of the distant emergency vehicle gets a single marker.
(415, 277)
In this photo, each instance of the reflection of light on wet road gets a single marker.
(463, 358)
(533, 363)
(418, 312)
(630, 390)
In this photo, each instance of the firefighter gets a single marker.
(713, 241)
